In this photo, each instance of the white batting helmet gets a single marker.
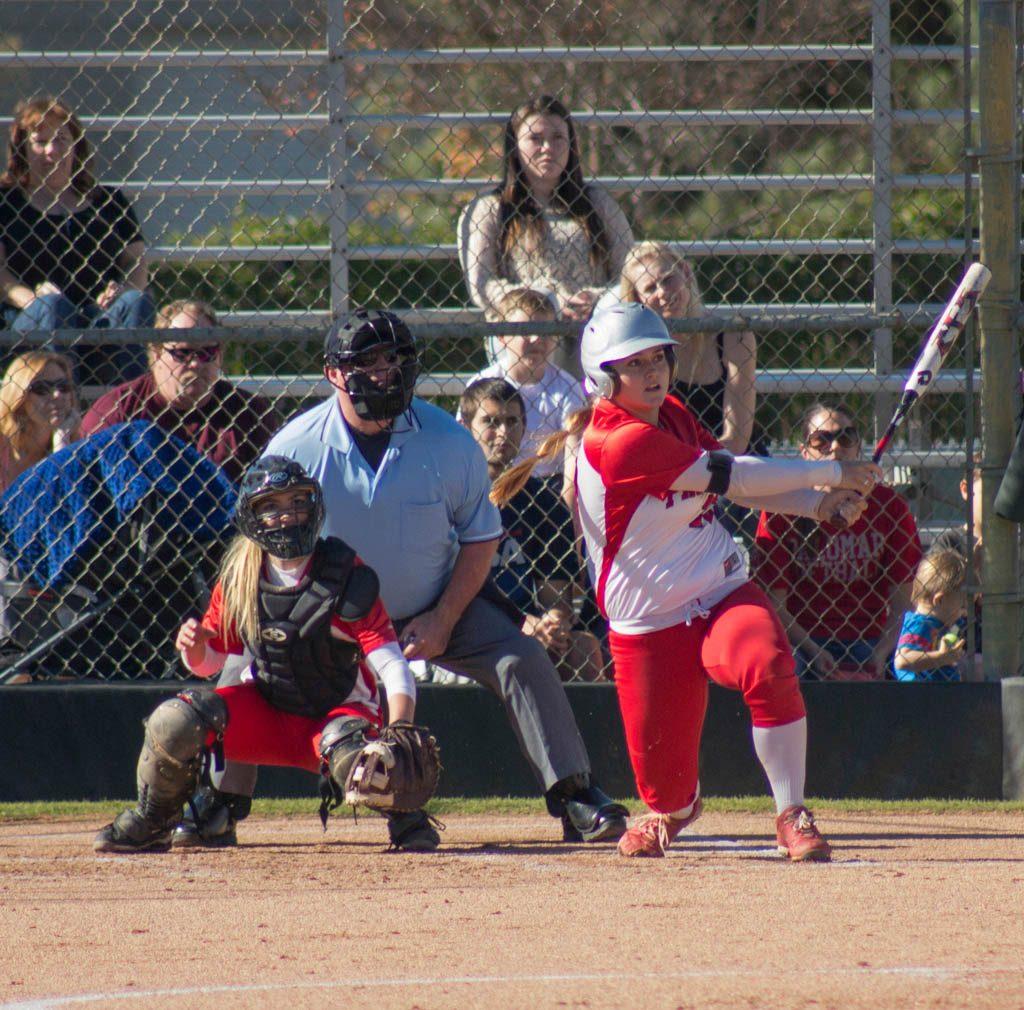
(615, 333)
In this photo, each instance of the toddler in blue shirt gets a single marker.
(931, 641)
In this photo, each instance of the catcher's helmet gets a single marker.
(372, 331)
(618, 332)
(266, 476)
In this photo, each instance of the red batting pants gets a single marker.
(662, 682)
(259, 734)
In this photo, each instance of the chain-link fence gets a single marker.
(789, 183)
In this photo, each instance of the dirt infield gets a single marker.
(917, 910)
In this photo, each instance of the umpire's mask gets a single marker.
(368, 342)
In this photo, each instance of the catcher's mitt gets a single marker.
(398, 771)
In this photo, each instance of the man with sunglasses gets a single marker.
(184, 393)
(841, 592)
(406, 485)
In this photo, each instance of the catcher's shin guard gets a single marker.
(168, 769)
(341, 742)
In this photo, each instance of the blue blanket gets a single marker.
(58, 516)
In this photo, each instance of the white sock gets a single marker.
(782, 751)
(681, 815)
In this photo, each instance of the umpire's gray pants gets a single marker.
(488, 647)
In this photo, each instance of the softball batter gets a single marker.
(672, 585)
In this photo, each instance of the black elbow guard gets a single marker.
(720, 468)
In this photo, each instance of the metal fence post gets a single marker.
(1000, 165)
(882, 189)
(337, 161)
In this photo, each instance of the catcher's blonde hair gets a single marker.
(942, 571)
(643, 260)
(240, 579)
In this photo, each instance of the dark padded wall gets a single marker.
(886, 741)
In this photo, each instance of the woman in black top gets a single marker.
(716, 372)
(71, 252)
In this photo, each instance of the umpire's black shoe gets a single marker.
(131, 832)
(587, 813)
(412, 831)
(210, 819)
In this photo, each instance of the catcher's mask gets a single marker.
(356, 345)
(265, 477)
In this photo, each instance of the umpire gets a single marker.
(405, 484)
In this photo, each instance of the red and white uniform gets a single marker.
(258, 733)
(657, 556)
(672, 585)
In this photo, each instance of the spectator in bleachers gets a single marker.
(931, 642)
(71, 252)
(38, 411)
(549, 393)
(841, 591)
(544, 227)
(715, 374)
(185, 393)
(535, 561)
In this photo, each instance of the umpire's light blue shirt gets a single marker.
(408, 519)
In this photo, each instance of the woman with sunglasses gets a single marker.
(841, 592)
(38, 412)
(184, 392)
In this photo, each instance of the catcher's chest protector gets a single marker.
(299, 666)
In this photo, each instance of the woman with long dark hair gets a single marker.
(544, 227)
(71, 252)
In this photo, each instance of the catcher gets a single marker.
(309, 612)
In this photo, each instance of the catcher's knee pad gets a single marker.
(341, 742)
(173, 747)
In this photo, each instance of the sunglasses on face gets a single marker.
(46, 387)
(823, 439)
(203, 355)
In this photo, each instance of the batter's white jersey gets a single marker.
(657, 557)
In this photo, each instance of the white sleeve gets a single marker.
(802, 502)
(392, 669)
(755, 476)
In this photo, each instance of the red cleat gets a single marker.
(650, 836)
(798, 836)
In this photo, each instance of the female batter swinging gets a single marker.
(672, 584)
(310, 613)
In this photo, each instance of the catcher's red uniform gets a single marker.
(258, 733)
(674, 590)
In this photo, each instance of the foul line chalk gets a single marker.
(933, 973)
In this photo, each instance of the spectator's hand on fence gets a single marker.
(109, 294)
(552, 629)
(841, 507)
(426, 636)
(64, 433)
(191, 641)
(824, 663)
(579, 306)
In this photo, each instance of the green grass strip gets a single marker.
(513, 806)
